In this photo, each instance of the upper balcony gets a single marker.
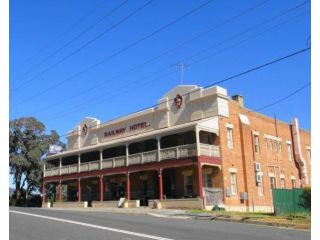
(164, 148)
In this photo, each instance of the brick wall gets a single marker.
(242, 157)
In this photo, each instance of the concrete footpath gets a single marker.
(178, 214)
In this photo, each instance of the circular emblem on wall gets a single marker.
(178, 101)
(85, 129)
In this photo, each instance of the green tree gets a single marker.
(28, 142)
(305, 200)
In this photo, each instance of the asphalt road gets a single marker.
(50, 224)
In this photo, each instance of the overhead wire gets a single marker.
(62, 34)
(89, 89)
(287, 11)
(166, 68)
(228, 78)
(120, 51)
(271, 104)
(112, 27)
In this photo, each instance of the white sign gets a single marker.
(54, 149)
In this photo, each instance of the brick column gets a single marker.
(160, 185)
(43, 192)
(60, 191)
(200, 178)
(101, 188)
(128, 186)
(79, 190)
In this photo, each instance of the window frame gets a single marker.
(233, 184)
(256, 144)
(230, 141)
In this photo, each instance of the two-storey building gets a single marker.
(196, 148)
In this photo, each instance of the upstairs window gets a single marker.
(309, 153)
(256, 143)
(230, 138)
(289, 149)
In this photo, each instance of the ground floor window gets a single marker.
(233, 180)
(293, 182)
(273, 182)
(207, 180)
(188, 186)
(260, 188)
(283, 183)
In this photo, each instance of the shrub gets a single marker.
(305, 200)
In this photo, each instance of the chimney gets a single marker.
(239, 99)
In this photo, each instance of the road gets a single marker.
(51, 224)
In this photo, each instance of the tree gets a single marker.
(28, 142)
(305, 199)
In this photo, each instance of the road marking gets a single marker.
(93, 226)
(166, 216)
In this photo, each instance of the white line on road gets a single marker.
(92, 226)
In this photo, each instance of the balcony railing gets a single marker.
(209, 150)
(69, 169)
(177, 152)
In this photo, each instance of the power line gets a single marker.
(253, 28)
(264, 65)
(122, 50)
(180, 45)
(241, 74)
(166, 68)
(68, 43)
(229, 78)
(80, 20)
(86, 44)
(282, 99)
(160, 55)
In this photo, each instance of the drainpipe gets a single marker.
(297, 151)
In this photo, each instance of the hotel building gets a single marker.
(197, 148)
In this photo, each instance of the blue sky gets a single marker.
(238, 45)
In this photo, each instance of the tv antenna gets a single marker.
(182, 67)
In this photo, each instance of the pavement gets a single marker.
(67, 224)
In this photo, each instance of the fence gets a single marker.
(288, 201)
(213, 196)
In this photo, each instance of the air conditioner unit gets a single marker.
(243, 196)
(257, 167)
(258, 178)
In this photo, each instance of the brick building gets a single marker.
(196, 148)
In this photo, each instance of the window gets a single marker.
(256, 143)
(188, 186)
(289, 151)
(273, 182)
(309, 154)
(260, 187)
(293, 183)
(283, 183)
(207, 180)
(275, 145)
(233, 180)
(230, 138)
